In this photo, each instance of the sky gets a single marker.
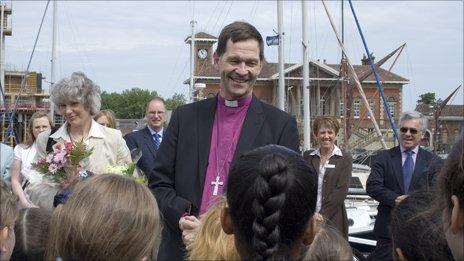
(126, 44)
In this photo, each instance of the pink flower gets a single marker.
(68, 146)
(60, 157)
(53, 168)
(41, 161)
(49, 158)
(57, 147)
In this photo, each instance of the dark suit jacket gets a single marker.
(143, 140)
(180, 166)
(385, 183)
(334, 189)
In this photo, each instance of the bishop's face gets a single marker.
(239, 68)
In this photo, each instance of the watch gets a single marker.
(202, 54)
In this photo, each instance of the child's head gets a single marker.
(451, 198)
(8, 216)
(108, 217)
(417, 235)
(271, 197)
(328, 245)
(211, 243)
(31, 229)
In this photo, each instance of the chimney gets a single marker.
(365, 60)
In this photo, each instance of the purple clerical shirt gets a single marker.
(228, 122)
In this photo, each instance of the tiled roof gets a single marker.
(449, 110)
(204, 35)
(361, 69)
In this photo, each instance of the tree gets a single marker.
(176, 100)
(427, 99)
(130, 104)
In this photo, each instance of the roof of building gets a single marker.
(203, 36)
(448, 110)
(383, 74)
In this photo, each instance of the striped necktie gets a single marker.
(408, 169)
(156, 139)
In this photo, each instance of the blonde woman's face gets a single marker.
(103, 121)
(326, 137)
(40, 125)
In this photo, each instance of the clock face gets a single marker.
(202, 54)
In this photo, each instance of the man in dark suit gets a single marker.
(204, 138)
(149, 138)
(396, 173)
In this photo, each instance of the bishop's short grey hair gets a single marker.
(414, 115)
(77, 87)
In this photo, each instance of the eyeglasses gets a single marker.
(411, 130)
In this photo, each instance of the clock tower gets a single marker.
(203, 52)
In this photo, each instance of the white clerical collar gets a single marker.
(231, 103)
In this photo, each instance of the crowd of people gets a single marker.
(226, 181)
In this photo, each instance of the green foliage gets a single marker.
(130, 104)
(427, 99)
(176, 100)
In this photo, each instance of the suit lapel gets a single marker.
(315, 162)
(149, 141)
(205, 119)
(418, 167)
(395, 155)
(250, 129)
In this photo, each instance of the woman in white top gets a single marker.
(24, 155)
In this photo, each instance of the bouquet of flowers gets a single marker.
(128, 170)
(65, 163)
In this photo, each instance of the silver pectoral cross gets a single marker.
(216, 185)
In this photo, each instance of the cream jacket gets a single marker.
(109, 148)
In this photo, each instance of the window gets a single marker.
(357, 108)
(372, 107)
(392, 106)
(322, 106)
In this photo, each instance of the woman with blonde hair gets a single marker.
(106, 118)
(24, 154)
(211, 243)
(108, 217)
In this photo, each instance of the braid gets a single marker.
(270, 191)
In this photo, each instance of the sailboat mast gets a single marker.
(343, 74)
(306, 83)
(356, 80)
(53, 58)
(281, 89)
(192, 60)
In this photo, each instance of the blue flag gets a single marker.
(272, 40)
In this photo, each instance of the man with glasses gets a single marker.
(149, 138)
(396, 173)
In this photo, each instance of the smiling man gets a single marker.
(204, 138)
(149, 138)
(396, 173)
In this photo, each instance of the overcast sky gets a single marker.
(125, 44)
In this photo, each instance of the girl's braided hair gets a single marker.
(271, 194)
